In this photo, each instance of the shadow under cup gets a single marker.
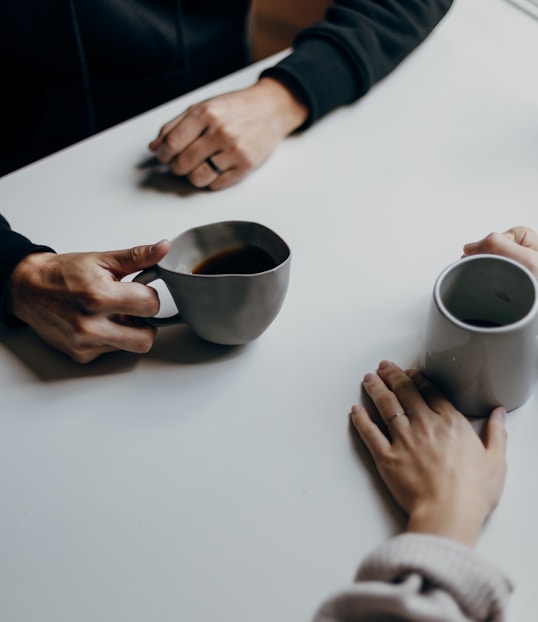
(481, 338)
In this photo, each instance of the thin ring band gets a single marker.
(212, 164)
(392, 417)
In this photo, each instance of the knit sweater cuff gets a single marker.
(479, 587)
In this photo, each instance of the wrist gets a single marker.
(289, 108)
(20, 285)
(454, 520)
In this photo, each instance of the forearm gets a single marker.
(425, 576)
(336, 61)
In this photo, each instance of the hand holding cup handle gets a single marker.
(146, 277)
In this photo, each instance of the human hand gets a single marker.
(237, 130)
(444, 477)
(77, 303)
(518, 243)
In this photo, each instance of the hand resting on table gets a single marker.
(237, 130)
(443, 476)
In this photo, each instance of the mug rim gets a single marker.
(526, 319)
(234, 275)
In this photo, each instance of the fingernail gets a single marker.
(500, 414)
(354, 409)
(368, 377)
(385, 365)
(155, 246)
(470, 247)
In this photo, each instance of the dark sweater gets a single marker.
(71, 68)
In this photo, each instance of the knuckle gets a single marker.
(223, 134)
(81, 330)
(146, 341)
(84, 357)
(142, 341)
(243, 157)
(81, 350)
(178, 166)
(492, 240)
(149, 303)
(198, 179)
(86, 332)
(169, 147)
(91, 301)
(389, 460)
(209, 111)
(136, 254)
(401, 382)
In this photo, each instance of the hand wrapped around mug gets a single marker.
(518, 243)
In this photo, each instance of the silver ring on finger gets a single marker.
(393, 417)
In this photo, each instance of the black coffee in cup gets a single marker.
(247, 259)
(475, 321)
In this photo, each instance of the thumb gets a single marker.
(496, 436)
(136, 258)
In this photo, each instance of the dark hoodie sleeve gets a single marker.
(336, 61)
(13, 248)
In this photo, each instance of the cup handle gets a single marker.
(146, 277)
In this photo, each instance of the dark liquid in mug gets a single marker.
(483, 323)
(248, 259)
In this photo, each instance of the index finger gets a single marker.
(164, 130)
(185, 130)
(129, 298)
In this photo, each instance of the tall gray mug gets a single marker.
(228, 280)
(481, 344)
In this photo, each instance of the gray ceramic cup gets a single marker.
(230, 308)
(480, 344)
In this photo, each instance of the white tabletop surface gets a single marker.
(208, 483)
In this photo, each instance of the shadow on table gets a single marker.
(159, 178)
(175, 345)
(50, 365)
(178, 345)
(392, 509)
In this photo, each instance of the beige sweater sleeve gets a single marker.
(421, 578)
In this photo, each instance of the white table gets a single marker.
(206, 483)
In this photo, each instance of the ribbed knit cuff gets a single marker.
(479, 587)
